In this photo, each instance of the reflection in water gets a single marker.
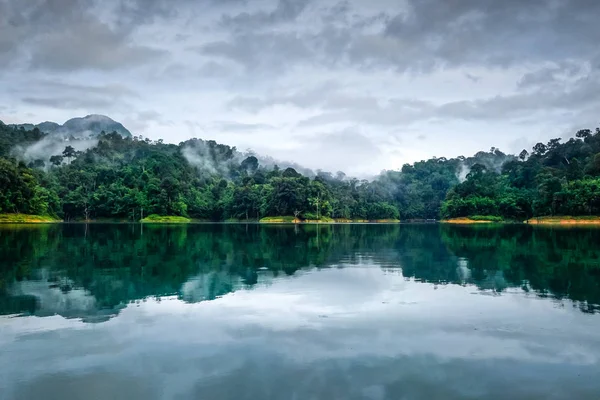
(60, 270)
(306, 312)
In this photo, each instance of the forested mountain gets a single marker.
(90, 125)
(123, 177)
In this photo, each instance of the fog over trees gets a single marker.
(130, 177)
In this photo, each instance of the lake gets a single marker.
(235, 311)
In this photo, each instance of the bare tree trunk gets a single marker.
(318, 207)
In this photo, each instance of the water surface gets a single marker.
(299, 312)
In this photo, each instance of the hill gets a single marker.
(88, 126)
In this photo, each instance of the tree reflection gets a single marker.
(91, 272)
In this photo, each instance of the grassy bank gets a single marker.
(322, 220)
(474, 219)
(279, 220)
(26, 219)
(565, 220)
(165, 219)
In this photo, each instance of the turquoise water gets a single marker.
(233, 311)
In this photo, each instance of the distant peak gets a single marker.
(90, 125)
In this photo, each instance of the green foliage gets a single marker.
(129, 178)
(25, 218)
(492, 218)
(165, 219)
(556, 179)
(21, 191)
(278, 219)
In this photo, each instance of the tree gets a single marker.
(290, 173)
(37, 164)
(68, 153)
(553, 144)
(250, 164)
(120, 177)
(540, 149)
(523, 155)
(56, 160)
(583, 134)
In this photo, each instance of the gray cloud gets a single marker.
(66, 35)
(70, 96)
(260, 52)
(337, 150)
(577, 97)
(558, 73)
(90, 45)
(426, 35)
(497, 33)
(68, 103)
(230, 126)
(281, 73)
(285, 11)
(139, 122)
(110, 89)
(577, 94)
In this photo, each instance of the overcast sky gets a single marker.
(353, 85)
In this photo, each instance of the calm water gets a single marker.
(305, 312)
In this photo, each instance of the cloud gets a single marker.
(260, 53)
(495, 33)
(141, 121)
(285, 11)
(67, 35)
(336, 104)
(51, 145)
(232, 126)
(90, 45)
(73, 96)
(337, 151)
(423, 36)
(556, 73)
(109, 89)
(272, 74)
(67, 103)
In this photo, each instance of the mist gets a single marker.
(51, 145)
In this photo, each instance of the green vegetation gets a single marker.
(126, 178)
(278, 220)
(566, 220)
(491, 218)
(320, 220)
(555, 179)
(26, 218)
(165, 219)
(475, 219)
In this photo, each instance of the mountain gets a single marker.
(95, 124)
(90, 125)
(48, 127)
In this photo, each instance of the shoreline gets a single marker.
(474, 220)
(166, 220)
(564, 220)
(28, 219)
(328, 221)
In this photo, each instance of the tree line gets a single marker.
(129, 178)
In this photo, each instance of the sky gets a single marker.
(352, 85)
